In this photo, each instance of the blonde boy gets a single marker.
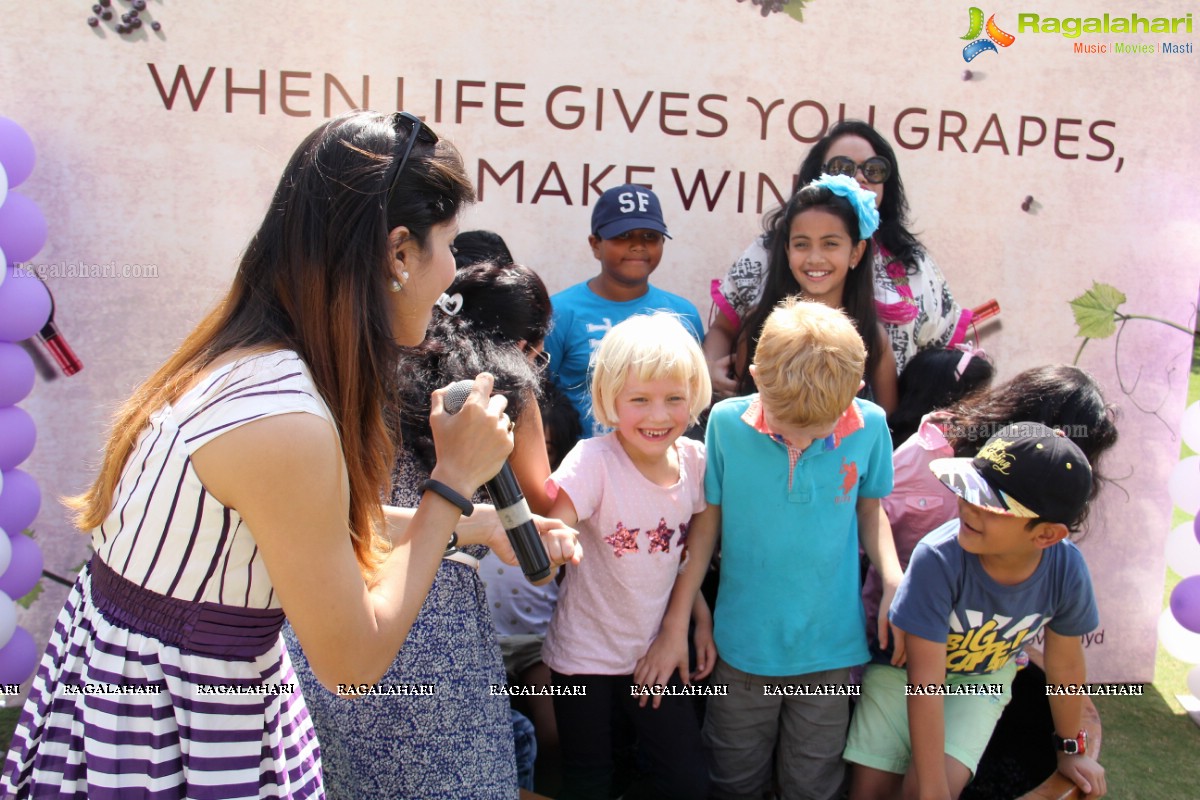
(793, 482)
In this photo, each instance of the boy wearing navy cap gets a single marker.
(978, 590)
(627, 239)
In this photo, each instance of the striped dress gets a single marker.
(165, 675)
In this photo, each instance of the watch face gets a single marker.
(1070, 747)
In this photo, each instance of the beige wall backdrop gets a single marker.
(137, 167)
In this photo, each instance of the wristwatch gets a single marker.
(1076, 746)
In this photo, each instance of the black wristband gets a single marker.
(448, 494)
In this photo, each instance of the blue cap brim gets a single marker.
(617, 227)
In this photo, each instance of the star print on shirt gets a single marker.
(623, 540)
(660, 537)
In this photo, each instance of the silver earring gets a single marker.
(396, 286)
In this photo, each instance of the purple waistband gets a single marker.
(208, 629)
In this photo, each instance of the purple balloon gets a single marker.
(1185, 603)
(22, 227)
(24, 305)
(18, 658)
(16, 374)
(16, 151)
(17, 436)
(25, 568)
(20, 500)
(1196, 527)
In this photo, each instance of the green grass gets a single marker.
(8, 723)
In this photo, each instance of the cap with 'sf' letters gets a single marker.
(1025, 470)
(627, 208)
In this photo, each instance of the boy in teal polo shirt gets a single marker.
(793, 482)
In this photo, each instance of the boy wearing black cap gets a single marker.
(627, 239)
(978, 589)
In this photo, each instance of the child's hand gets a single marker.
(483, 527)
(719, 372)
(706, 651)
(667, 653)
(885, 604)
(561, 543)
(1085, 772)
(899, 656)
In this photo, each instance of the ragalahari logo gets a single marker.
(995, 36)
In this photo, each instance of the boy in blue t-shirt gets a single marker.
(793, 481)
(627, 239)
(978, 590)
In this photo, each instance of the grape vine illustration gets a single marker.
(1098, 316)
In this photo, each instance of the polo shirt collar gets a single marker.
(850, 421)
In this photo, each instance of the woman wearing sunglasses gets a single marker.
(911, 296)
(241, 484)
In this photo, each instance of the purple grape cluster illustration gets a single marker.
(127, 22)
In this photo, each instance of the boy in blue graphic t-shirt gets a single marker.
(627, 239)
(978, 590)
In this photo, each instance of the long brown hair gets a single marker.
(858, 294)
(314, 280)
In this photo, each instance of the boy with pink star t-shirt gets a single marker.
(631, 494)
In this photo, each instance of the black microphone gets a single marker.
(509, 501)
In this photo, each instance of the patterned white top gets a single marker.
(165, 532)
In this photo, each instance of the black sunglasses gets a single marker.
(416, 130)
(875, 169)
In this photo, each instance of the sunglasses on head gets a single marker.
(875, 169)
(402, 120)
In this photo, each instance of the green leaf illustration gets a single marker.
(1096, 309)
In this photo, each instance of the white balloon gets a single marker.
(1183, 551)
(1178, 640)
(1193, 682)
(8, 618)
(1189, 428)
(5, 552)
(1184, 485)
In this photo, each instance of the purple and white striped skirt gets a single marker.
(144, 696)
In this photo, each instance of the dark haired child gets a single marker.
(934, 379)
(821, 250)
(978, 589)
(628, 234)
(474, 247)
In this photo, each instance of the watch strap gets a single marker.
(1075, 746)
